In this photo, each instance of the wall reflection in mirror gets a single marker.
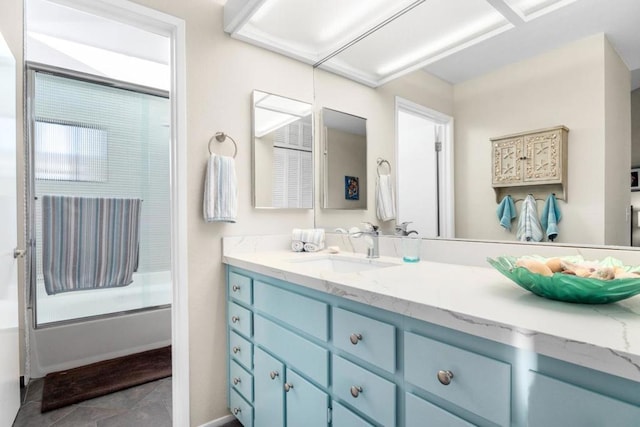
(344, 160)
(282, 152)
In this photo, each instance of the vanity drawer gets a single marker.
(305, 356)
(240, 287)
(240, 349)
(343, 417)
(418, 410)
(556, 403)
(241, 380)
(240, 319)
(303, 313)
(240, 409)
(364, 391)
(479, 384)
(366, 338)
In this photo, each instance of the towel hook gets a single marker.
(380, 161)
(221, 137)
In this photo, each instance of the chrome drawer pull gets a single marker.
(287, 387)
(356, 390)
(445, 377)
(235, 319)
(236, 411)
(236, 349)
(355, 338)
(274, 374)
(236, 381)
(235, 288)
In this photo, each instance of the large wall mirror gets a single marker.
(282, 152)
(344, 160)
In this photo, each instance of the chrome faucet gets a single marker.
(372, 230)
(401, 229)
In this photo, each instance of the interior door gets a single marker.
(9, 364)
(417, 173)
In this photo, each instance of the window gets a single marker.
(67, 152)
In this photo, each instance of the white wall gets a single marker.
(565, 86)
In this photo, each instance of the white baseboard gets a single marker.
(219, 422)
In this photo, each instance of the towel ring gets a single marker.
(221, 137)
(380, 161)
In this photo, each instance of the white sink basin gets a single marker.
(341, 264)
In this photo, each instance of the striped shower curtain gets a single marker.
(89, 243)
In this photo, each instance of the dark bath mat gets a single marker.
(65, 388)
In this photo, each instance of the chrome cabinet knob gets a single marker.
(288, 387)
(274, 374)
(235, 319)
(445, 377)
(236, 349)
(356, 390)
(355, 338)
(236, 411)
(235, 288)
(236, 381)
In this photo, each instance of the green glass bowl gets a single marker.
(566, 287)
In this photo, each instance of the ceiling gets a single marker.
(377, 41)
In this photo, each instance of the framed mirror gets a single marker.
(344, 160)
(282, 131)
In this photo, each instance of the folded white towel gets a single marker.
(297, 246)
(529, 228)
(308, 235)
(220, 190)
(313, 247)
(385, 201)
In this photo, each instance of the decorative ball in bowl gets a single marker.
(571, 279)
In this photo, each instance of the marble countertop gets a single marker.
(475, 300)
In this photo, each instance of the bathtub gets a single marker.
(82, 327)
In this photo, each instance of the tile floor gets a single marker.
(147, 405)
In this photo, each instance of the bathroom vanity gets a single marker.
(319, 340)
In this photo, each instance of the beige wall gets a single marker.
(565, 86)
(346, 156)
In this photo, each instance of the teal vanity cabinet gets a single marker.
(300, 357)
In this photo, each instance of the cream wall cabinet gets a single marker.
(530, 162)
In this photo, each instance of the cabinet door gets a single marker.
(543, 153)
(418, 410)
(268, 403)
(554, 403)
(307, 405)
(506, 162)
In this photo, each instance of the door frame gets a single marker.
(446, 202)
(175, 28)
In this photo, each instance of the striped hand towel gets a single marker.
(385, 201)
(220, 190)
(89, 243)
(529, 228)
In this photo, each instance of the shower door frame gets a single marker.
(174, 28)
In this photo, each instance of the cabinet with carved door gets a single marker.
(529, 162)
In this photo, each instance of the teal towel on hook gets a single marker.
(506, 212)
(551, 216)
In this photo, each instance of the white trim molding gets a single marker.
(175, 28)
(219, 422)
